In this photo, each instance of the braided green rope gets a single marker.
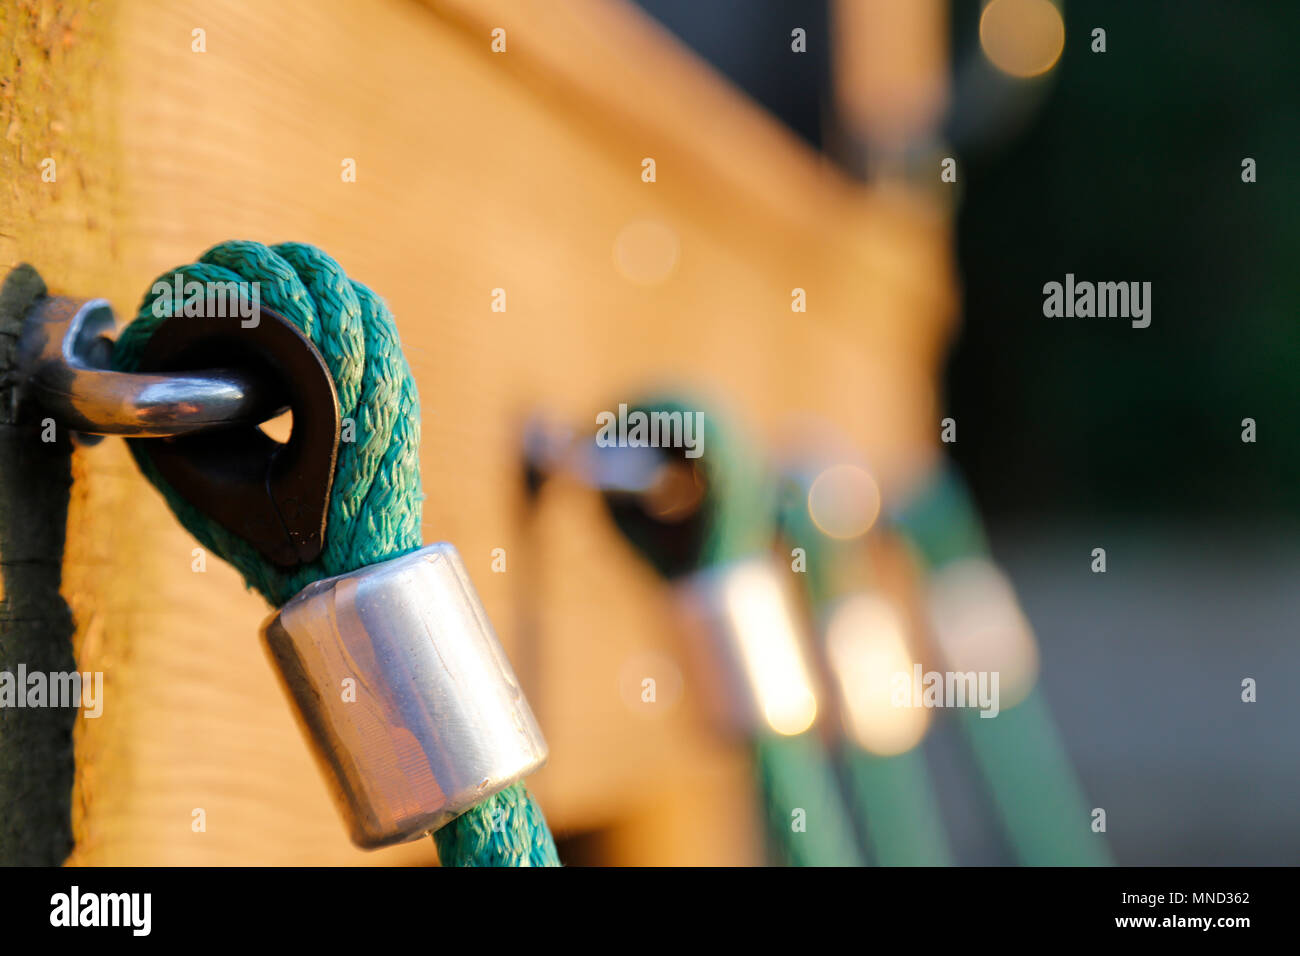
(1020, 753)
(738, 522)
(375, 506)
(520, 836)
(893, 797)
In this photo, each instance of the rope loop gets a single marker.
(376, 502)
(375, 506)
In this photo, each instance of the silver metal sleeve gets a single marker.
(404, 693)
(749, 645)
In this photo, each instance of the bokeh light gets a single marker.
(770, 648)
(844, 501)
(646, 252)
(650, 684)
(866, 643)
(1022, 37)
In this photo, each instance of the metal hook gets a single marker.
(202, 425)
(655, 496)
(550, 449)
(63, 365)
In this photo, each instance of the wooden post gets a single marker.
(36, 765)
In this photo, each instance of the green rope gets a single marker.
(1020, 752)
(506, 829)
(898, 807)
(802, 804)
(375, 506)
(1034, 787)
(893, 797)
(940, 520)
(737, 520)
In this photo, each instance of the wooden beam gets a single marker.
(475, 171)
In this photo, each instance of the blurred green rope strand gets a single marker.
(793, 772)
(1021, 756)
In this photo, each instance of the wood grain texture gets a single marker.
(56, 117)
(475, 171)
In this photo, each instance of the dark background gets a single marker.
(1082, 433)
(1129, 169)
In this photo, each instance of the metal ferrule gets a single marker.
(978, 625)
(749, 645)
(404, 693)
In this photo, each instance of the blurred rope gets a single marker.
(737, 520)
(376, 500)
(794, 774)
(893, 797)
(895, 801)
(1020, 754)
